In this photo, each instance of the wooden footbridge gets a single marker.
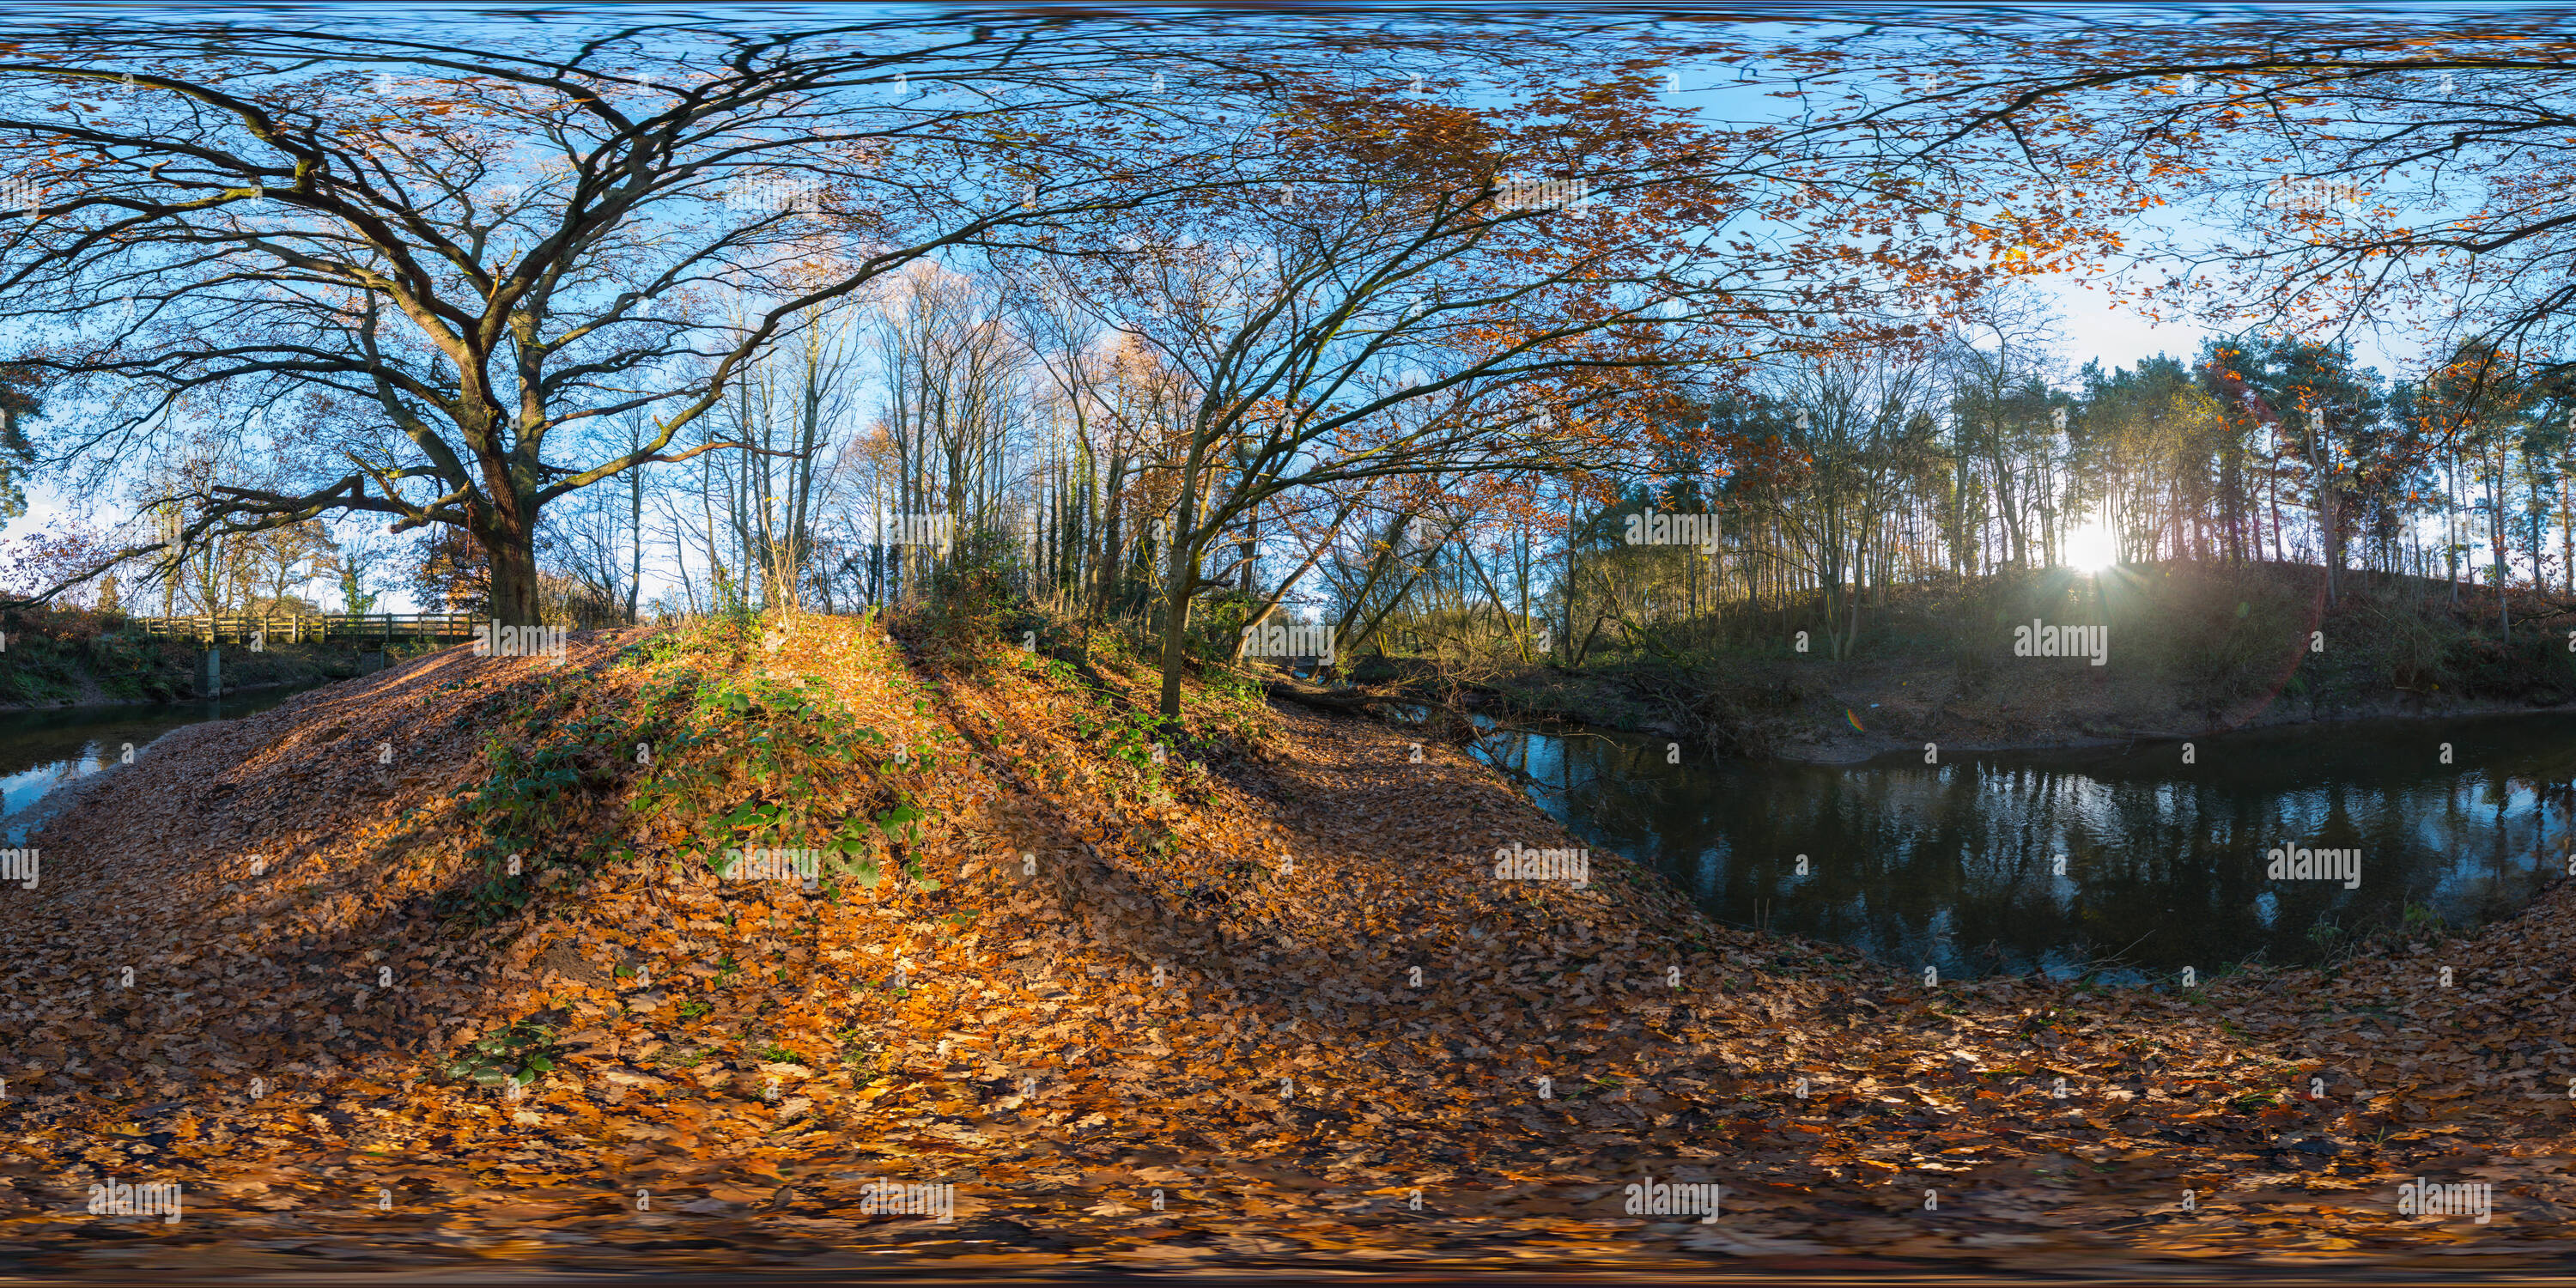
(315, 627)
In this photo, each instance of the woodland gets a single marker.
(1042, 501)
(1391, 338)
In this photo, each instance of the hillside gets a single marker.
(1060, 973)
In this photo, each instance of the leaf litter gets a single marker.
(477, 959)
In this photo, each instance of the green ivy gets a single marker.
(519, 1054)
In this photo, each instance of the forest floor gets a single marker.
(2191, 650)
(431, 970)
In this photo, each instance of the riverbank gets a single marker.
(2184, 651)
(76, 658)
(1241, 992)
(50, 755)
(1898, 725)
(94, 697)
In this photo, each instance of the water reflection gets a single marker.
(44, 750)
(2072, 860)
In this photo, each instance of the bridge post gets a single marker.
(210, 673)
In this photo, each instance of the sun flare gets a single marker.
(2092, 549)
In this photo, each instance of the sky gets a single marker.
(2098, 328)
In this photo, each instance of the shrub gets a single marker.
(974, 588)
(1217, 621)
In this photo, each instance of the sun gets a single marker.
(2092, 549)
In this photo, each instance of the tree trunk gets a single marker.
(512, 557)
(2567, 527)
(1179, 583)
(2451, 530)
(2329, 509)
(635, 515)
(635, 570)
(1178, 586)
(1570, 657)
(2496, 549)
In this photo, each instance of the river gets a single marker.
(41, 751)
(2121, 862)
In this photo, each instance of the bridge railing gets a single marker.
(300, 628)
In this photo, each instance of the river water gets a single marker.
(41, 751)
(2120, 861)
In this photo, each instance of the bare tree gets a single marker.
(429, 276)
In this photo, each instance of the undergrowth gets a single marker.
(701, 762)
